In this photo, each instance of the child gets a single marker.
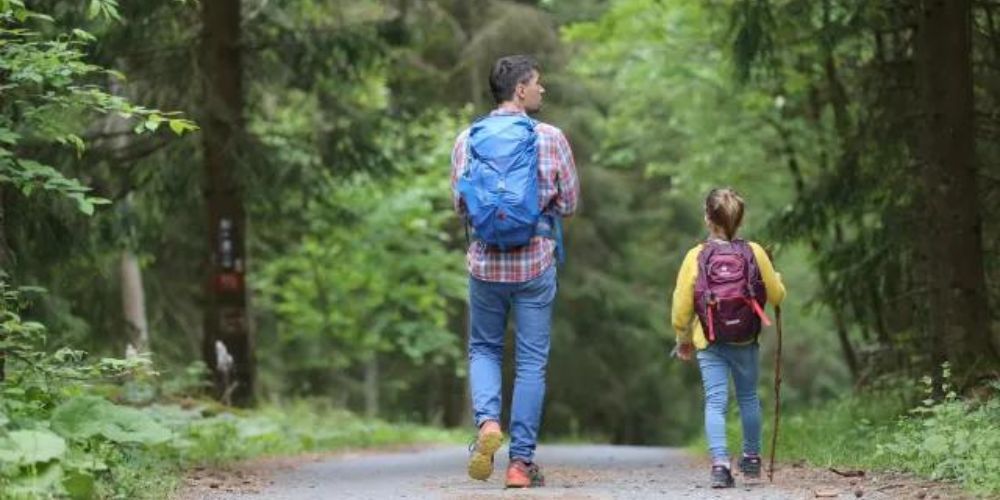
(726, 281)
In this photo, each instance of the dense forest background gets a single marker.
(298, 207)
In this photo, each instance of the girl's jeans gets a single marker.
(717, 362)
(489, 305)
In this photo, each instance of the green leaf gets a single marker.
(179, 126)
(152, 123)
(79, 485)
(80, 460)
(79, 418)
(85, 206)
(39, 16)
(87, 416)
(26, 447)
(8, 136)
(83, 35)
(936, 444)
(44, 483)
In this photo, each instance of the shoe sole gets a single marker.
(481, 461)
(515, 486)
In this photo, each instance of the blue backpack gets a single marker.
(500, 183)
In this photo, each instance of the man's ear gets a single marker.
(519, 91)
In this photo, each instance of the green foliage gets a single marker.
(672, 109)
(848, 130)
(351, 110)
(840, 432)
(671, 124)
(189, 381)
(374, 273)
(48, 97)
(950, 439)
(294, 427)
(28, 447)
(61, 436)
(85, 417)
(51, 437)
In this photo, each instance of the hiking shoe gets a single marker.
(521, 474)
(721, 477)
(481, 451)
(750, 467)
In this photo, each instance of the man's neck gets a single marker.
(510, 107)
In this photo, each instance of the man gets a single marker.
(507, 276)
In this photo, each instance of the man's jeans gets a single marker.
(489, 303)
(717, 362)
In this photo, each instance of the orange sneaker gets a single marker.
(521, 474)
(487, 442)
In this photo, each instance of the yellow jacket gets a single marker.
(685, 322)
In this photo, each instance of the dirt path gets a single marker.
(572, 472)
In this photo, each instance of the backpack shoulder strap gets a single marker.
(753, 272)
(471, 151)
(707, 249)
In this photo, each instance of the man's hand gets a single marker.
(685, 351)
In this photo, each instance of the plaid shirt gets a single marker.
(558, 191)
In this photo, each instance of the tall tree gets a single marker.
(226, 322)
(957, 314)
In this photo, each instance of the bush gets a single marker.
(61, 434)
(952, 439)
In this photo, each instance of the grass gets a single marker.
(209, 435)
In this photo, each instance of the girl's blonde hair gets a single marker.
(724, 210)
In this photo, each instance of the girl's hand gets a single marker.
(685, 351)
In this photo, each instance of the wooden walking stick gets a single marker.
(777, 393)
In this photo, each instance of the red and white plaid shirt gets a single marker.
(558, 192)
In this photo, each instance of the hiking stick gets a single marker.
(777, 393)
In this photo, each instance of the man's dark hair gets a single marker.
(507, 73)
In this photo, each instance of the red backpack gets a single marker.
(729, 294)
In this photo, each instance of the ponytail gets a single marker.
(724, 210)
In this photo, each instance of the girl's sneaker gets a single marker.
(721, 477)
(750, 467)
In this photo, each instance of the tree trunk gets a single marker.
(226, 317)
(957, 305)
(134, 301)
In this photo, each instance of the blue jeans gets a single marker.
(489, 305)
(717, 362)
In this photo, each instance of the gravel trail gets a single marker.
(572, 472)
